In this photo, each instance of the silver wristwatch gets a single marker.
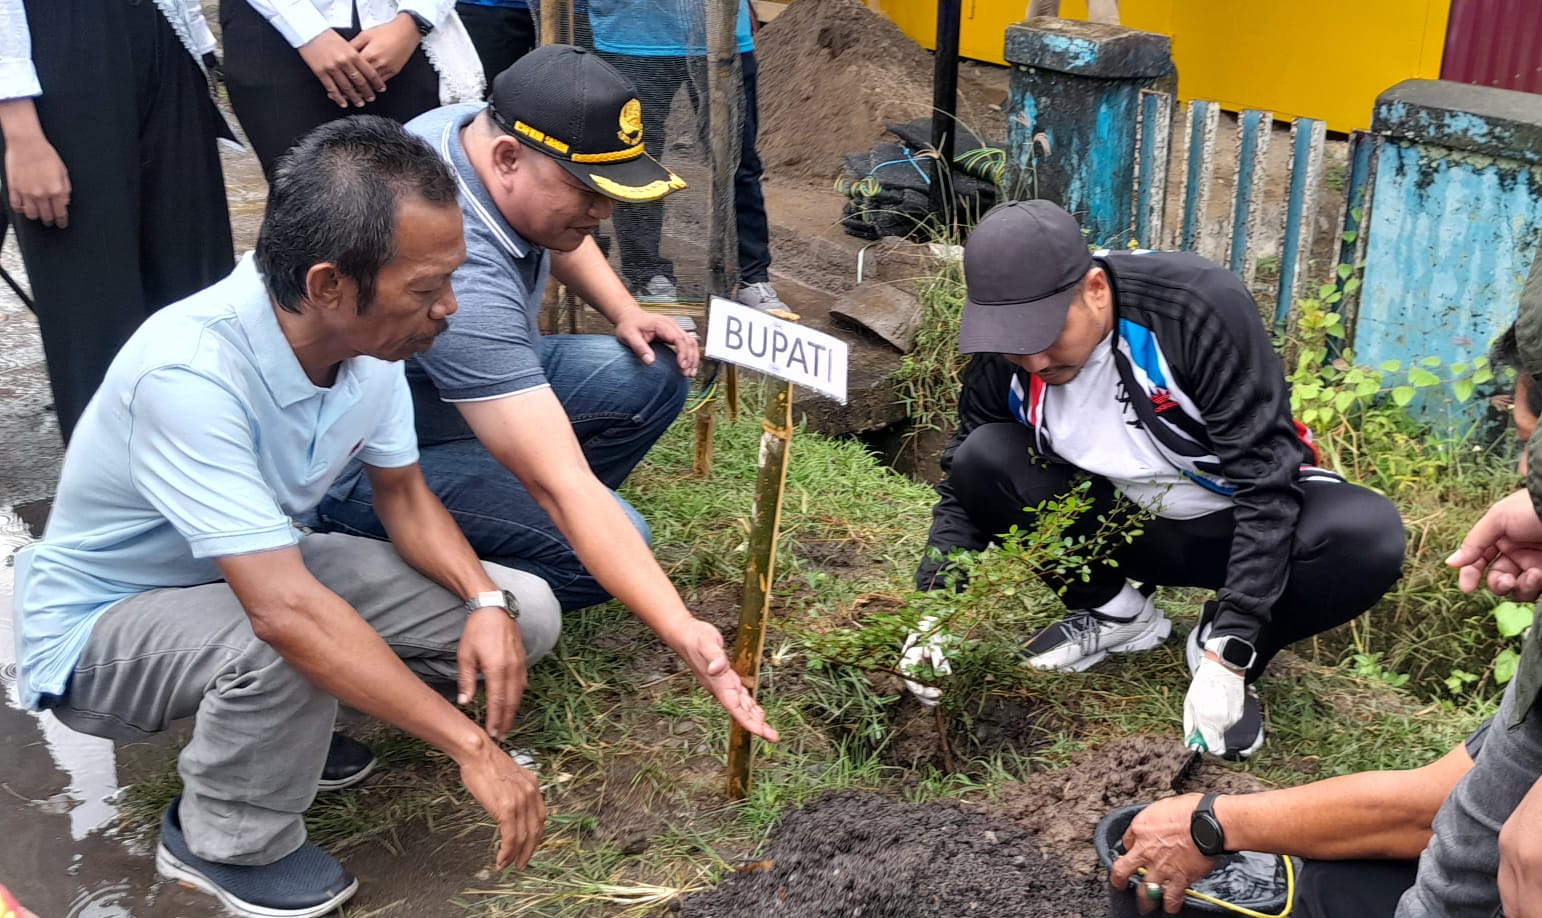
(497, 599)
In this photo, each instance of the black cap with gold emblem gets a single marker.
(574, 107)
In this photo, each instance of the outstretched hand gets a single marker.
(1504, 548)
(702, 650)
(639, 330)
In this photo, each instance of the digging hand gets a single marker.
(511, 795)
(1213, 704)
(925, 648)
(702, 650)
(1506, 546)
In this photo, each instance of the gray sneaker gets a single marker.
(1082, 639)
(658, 289)
(305, 883)
(761, 296)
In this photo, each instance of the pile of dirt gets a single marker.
(1063, 807)
(831, 73)
(852, 853)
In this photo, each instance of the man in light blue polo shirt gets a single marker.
(171, 583)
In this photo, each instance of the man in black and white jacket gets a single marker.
(1150, 374)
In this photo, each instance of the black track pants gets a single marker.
(1347, 550)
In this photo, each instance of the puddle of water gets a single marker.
(61, 855)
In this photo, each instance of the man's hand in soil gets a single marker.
(702, 649)
(490, 646)
(389, 45)
(1159, 840)
(343, 71)
(1506, 545)
(511, 795)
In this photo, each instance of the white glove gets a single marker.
(1212, 706)
(925, 646)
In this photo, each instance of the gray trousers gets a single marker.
(261, 731)
(1458, 871)
(1097, 10)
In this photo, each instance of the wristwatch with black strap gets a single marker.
(424, 26)
(493, 599)
(1206, 830)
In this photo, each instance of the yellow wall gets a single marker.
(1325, 59)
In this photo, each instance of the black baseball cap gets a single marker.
(1021, 267)
(579, 110)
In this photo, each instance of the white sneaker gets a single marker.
(1082, 639)
(761, 296)
(924, 648)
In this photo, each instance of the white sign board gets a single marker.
(777, 347)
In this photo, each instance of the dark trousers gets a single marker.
(639, 227)
(1347, 549)
(501, 34)
(279, 100)
(128, 111)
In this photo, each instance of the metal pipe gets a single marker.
(944, 107)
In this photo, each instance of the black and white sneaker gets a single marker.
(305, 883)
(348, 762)
(1247, 735)
(1082, 639)
(1194, 650)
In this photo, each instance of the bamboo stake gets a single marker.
(755, 606)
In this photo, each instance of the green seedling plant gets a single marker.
(1513, 620)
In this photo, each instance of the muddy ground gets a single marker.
(853, 853)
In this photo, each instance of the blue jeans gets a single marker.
(618, 407)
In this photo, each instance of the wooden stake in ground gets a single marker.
(755, 607)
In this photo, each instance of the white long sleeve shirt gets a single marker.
(18, 78)
(299, 21)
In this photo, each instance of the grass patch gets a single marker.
(631, 751)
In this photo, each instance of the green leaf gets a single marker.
(1402, 395)
(1343, 400)
(1423, 378)
(1463, 389)
(1391, 366)
(1351, 285)
(1431, 361)
(1350, 235)
(1505, 665)
(1511, 618)
(1458, 369)
(1326, 289)
(1482, 375)
(1345, 271)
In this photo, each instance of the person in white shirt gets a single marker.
(291, 65)
(112, 179)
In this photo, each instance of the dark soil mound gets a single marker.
(831, 73)
(852, 853)
(1062, 807)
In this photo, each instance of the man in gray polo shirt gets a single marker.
(526, 438)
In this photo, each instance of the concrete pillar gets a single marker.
(1073, 109)
(1455, 222)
